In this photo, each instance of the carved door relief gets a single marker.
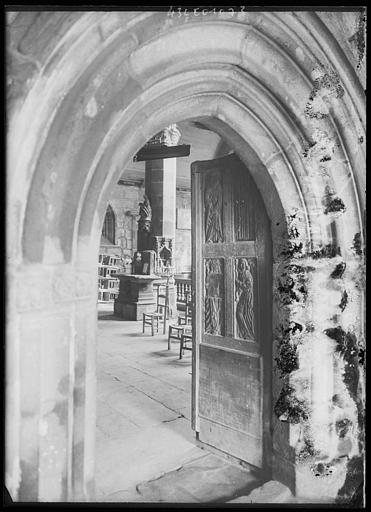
(244, 298)
(231, 274)
(214, 296)
(213, 204)
(244, 208)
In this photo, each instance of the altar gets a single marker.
(135, 296)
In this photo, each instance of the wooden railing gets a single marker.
(183, 289)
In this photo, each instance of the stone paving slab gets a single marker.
(269, 492)
(143, 454)
(208, 479)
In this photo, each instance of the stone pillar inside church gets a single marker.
(156, 224)
(160, 187)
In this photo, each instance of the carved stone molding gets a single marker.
(163, 247)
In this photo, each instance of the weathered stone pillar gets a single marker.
(160, 187)
(156, 227)
(157, 213)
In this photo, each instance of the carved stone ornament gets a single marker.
(163, 248)
(145, 215)
(169, 136)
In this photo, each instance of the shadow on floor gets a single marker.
(105, 315)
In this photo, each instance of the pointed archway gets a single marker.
(112, 81)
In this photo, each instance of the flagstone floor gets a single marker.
(146, 449)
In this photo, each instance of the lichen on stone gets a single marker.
(359, 39)
(326, 85)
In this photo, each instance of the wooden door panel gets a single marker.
(222, 376)
(238, 444)
(230, 343)
(231, 268)
(246, 249)
(244, 209)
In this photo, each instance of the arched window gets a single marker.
(108, 230)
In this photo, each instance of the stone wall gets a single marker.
(183, 242)
(124, 200)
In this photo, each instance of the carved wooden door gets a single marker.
(231, 272)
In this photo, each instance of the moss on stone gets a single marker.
(286, 290)
(361, 356)
(346, 345)
(307, 451)
(289, 408)
(292, 249)
(287, 359)
(291, 284)
(321, 469)
(349, 350)
(309, 327)
(342, 427)
(335, 205)
(344, 300)
(336, 333)
(339, 270)
(357, 244)
(352, 493)
(328, 251)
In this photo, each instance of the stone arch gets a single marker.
(141, 68)
(122, 77)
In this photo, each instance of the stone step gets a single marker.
(269, 492)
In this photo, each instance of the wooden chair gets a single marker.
(161, 314)
(185, 338)
(152, 320)
(175, 333)
(163, 298)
